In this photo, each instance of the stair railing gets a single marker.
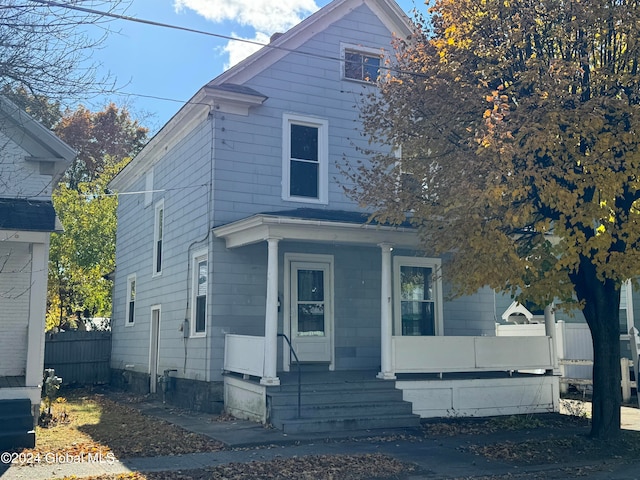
(291, 350)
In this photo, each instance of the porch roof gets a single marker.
(316, 225)
(27, 215)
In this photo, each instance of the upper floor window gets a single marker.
(157, 237)
(131, 300)
(361, 63)
(305, 159)
(418, 296)
(199, 297)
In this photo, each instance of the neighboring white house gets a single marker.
(241, 233)
(32, 160)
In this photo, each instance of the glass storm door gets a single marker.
(311, 311)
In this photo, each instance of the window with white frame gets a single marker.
(361, 63)
(130, 310)
(158, 231)
(305, 159)
(418, 296)
(199, 295)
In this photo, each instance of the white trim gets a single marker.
(196, 258)
(289, 119)
(37, 311)
(436, 265)
(158, 235)
(148, 188)
(367, 51)
(258, 228)
(131, 278)
(290, 258)
(153, 384)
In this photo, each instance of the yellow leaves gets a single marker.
(601, 229)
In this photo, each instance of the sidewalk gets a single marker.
(439, 457)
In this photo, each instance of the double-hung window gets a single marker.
(305, 159)
(361, 63)
(418, 296)
(199, 296)
(130, 310)
(157, 237)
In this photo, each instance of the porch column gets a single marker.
(386, 327)
(37, 311)
(269, 376)
(550, 331)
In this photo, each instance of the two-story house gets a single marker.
(32, 160)
(239, 257)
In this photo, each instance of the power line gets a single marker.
(154, 23)
(117, 16)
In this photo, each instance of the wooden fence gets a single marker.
(79, 357)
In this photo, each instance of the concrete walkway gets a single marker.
(437, 458)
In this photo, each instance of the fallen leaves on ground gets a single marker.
(483, 426)
(130, 433)
(99, 425)
(312, 467)
(553, 450)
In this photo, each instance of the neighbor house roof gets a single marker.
(39, 142)
(27, 215)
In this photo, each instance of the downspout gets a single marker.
(209, 334)
(207, 238)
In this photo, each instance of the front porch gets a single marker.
(432, 377)
(352, 296)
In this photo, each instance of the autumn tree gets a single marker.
(518, 124)
(82, 256)
(84, 252)
(109, 133)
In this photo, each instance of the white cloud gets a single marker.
(266, 17)
(238, 51)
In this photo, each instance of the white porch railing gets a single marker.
(244, 354)
(470, 354)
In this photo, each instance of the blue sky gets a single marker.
(171, 65)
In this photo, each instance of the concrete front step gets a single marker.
(290, 412)
(17, 424)
(338, 402)
(348, 423)
(321, 397)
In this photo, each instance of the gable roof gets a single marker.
(228, 86)
(39, 142)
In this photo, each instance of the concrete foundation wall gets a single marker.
(190, 394)
(482, 397)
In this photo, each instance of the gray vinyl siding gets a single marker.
(181, 177)
(249, 149)
(245, 153)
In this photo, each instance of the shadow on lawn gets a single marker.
(129, 433)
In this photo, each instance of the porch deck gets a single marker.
(357, 399)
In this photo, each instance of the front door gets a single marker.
(311, 310)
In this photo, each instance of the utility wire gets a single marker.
(117, 16)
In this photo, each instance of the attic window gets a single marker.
(362, 64)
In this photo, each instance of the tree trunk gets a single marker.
(601, 310)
